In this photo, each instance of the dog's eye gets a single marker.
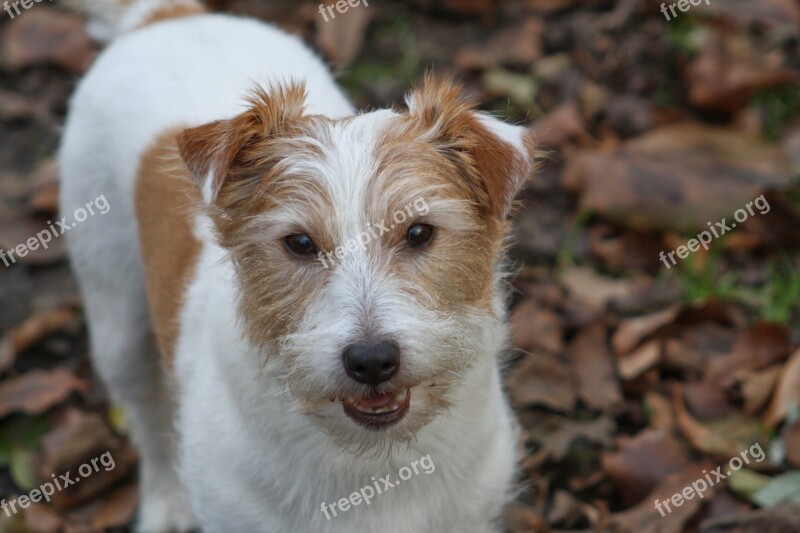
(419, 235)
(300, 244)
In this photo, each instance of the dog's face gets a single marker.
(367, 249)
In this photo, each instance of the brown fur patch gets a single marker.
(442, 142)
(173, 11)
(239, 156)
(490, 167)
(165, 200)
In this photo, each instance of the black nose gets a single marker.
(372, 364)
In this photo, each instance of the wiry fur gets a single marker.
(257, 359)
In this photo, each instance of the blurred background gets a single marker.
(632, 372)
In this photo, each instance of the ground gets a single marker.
(656, 303)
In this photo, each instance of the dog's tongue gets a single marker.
(376, 401)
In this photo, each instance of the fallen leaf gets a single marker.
(342, 37)
(33, 330)
(781, 519)
(792, 445)
(46, 192)
(76, 440)
(593, 368)
(521, 518)
(728, 70)
(48, 36)
(723, 438)
(113, 510)
(542, 379)
(635, 363)
(555, 442)
(642, 461)
(676, 177)
(756, 348)
(586, 285)
(24, 231)
(632, 331)
(672, 518)
(41, 518)
(660, 413)
(757, 388)
(533, 326)
(38, 390)
(519, 45)
(706, 401)
(787, 393)
(561, 126)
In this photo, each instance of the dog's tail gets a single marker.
(111, 18)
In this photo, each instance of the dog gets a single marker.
(265, 390)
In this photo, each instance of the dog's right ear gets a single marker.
(234, 151)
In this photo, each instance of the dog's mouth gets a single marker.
(378, 411)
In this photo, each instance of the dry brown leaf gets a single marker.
(561, 126)
(45, 195)
(542, 379)
(676, 177)
(706, 401)
(587, 286)
(593, 367)
(757, 388)
(645, 518)
(792, 436)
(787, 394)
(518, 45)
(779, 519)
(632, 331)
(37, 391)
(635, 363)
(32, 331)
(23, 230)
(642, 461)
(42, 518)
(535, 327)
(556, 442)
(661, 415)
(341, 38)
(48, 36)
(114, 510)
(78, 438)
(722, 438)
(757, 347)
(728, 70)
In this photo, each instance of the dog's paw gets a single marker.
(161, 513)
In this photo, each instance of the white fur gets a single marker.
(248, 459)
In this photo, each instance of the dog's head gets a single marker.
(367, 249)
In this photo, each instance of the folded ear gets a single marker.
(228, 151)
(496, 156)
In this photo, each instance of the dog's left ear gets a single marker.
(495, 157)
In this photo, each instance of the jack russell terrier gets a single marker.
(270, 358)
